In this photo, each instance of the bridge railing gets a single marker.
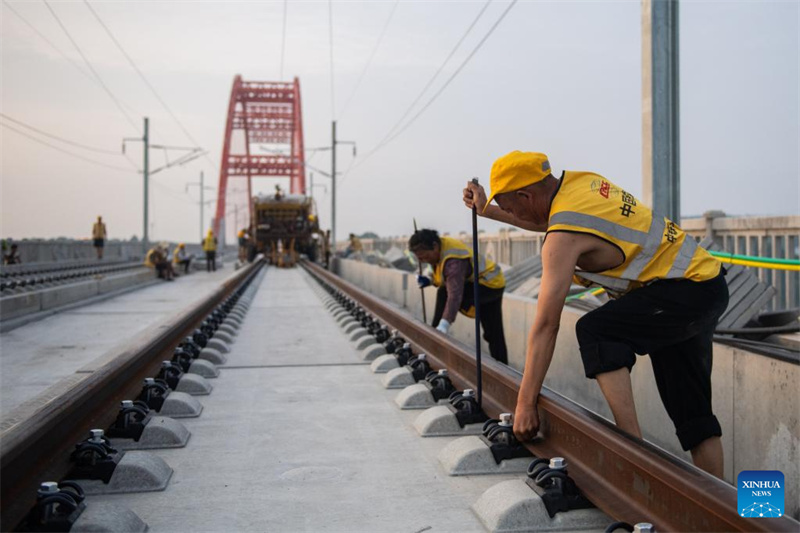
(777, 237)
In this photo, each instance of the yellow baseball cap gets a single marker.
(516, 170)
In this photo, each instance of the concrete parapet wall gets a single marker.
(755, 397)
(35, 251)
(18, 305)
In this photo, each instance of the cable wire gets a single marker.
(49, 42)
(91, 67)
(71, 61)
(371, 57)
(436, 74)
(113, 167)
(283, 38)
(62, 139)
(442, 88)
(146, 81)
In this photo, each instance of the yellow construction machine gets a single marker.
(285, 226)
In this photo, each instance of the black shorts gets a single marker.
(99, 243)
(674, 322)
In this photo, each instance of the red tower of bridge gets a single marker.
(269, 113)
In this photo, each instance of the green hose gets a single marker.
(773, 260)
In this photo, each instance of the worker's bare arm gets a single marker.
(476, 195)
(559, 257)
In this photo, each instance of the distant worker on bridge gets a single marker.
(244, 241)
(327, 245)
(669, 294)
(355, 245)
(12, 257)
(99, 235)
(210, 248)
(453, 275)
(157, 258)
(181, 258)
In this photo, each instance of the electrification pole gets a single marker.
(146, 172)
(203, 188)
(333, 185)
(334, 142)
(661, 109)
(202, 205)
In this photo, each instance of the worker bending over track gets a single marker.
(453, 268)
(669, 294)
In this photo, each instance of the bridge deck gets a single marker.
(299, 435)
(35, 356)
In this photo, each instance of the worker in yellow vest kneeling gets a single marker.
(454, 275)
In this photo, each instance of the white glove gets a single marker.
(443, 326)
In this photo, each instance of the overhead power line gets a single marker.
(466, 60)
(371, 57)
(71, 61)
(146, 81)
(62, 139)
(436, 74)
(91, 67)
(48, 41)
(455, 73)
(88, 160)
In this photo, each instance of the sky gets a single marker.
(563, 78)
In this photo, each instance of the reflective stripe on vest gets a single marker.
(588, 203)
(490, 274)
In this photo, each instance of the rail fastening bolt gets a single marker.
(643, 527)
(97, 435)
(126, 404)
(443, 372)
(468, 393)
(505, 419)
(48, 487)
(558, 463)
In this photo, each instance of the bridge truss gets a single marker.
(268, 113)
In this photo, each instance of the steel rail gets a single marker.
(38, 268)
(629, 479)
(36, 449)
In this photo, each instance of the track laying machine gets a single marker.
(284, 226)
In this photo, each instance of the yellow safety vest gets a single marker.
(654, 247)
(99, 230)
(489, 274)
(209, 245)
(176, 256)
(149, 259)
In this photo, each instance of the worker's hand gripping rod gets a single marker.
(476, 299)
(421, 290)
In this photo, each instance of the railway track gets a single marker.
(18, 281)
(36, 447)
(629, 479)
